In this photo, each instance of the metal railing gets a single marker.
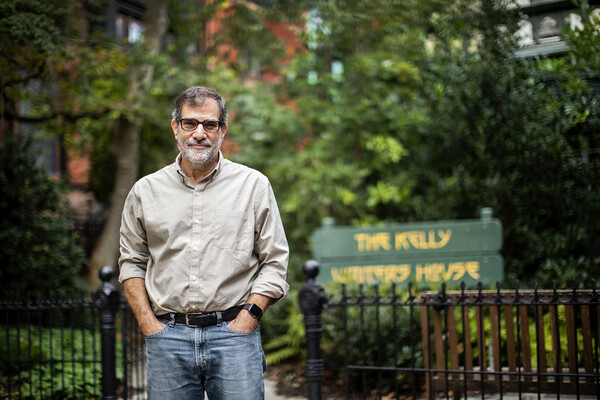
(475, 343)
(396, 343)
(73, 347)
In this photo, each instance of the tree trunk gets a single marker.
(127, 137)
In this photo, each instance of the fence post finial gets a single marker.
(107, 300)
(311, 299)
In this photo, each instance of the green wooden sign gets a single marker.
(427, 252)
(408, 239)
(450, 270)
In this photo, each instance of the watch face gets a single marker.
(254, 310)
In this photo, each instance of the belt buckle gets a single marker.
(187, 321)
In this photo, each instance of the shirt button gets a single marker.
(197, 221)
(195, 248)
(193, 277)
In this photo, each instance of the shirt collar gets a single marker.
(210, 176)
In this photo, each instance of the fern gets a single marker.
(289, 345)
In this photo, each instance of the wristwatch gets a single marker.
(254, 310)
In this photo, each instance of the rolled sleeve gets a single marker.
(134, 252)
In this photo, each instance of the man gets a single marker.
(203, 254)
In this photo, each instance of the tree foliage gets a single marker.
(411, 112)
(97, 94)
(514, 135)
(395, 111)
(37, 248)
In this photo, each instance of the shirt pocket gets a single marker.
(233, 231)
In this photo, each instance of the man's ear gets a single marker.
(223, 130)
(174, 127)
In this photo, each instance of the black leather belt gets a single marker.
(197, 320)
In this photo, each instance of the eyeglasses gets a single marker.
(209, 125)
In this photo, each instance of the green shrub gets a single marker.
(565, 271)
(283, 332)
(385, 335)
(37, 248)
(50, 363)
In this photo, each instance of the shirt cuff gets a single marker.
(131, 272)
(276, 288)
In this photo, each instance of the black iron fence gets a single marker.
(502, 343)
(74, 347)
(393, 343)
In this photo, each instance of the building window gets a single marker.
(128, 29)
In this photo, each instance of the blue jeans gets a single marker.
(184, 363)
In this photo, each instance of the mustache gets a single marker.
(204, 142)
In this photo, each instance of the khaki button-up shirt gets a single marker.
(204, 248)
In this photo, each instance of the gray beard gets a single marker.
(199, 158)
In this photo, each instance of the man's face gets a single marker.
(198, 147)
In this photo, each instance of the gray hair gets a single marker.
(196, 96)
